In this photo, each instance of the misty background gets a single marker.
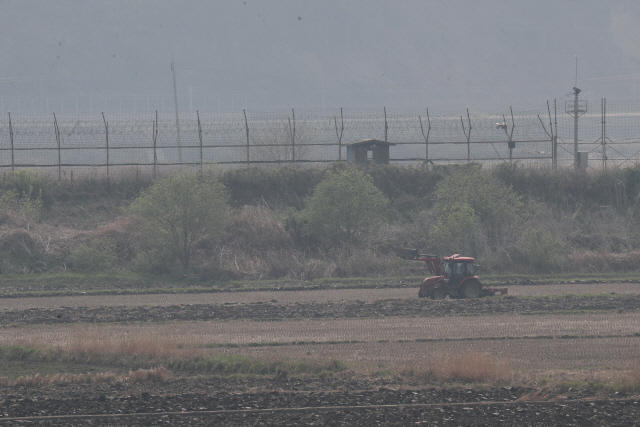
(67, 56)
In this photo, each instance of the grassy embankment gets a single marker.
(517, 221)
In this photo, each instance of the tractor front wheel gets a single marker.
(472, 289)
(421, 293)
(438, 293)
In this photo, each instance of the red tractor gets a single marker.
(452, 275)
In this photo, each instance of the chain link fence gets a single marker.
(609, 132)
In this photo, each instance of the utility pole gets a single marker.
(175, 98)
(576, 109)
(604, 133)
(576, 91)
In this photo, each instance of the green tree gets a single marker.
(180, 211)
(494, 203)
(343, 207)
(454, 231)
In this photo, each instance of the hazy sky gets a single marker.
(273, 54)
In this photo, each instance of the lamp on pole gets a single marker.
(575, 109)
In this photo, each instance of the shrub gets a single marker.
(539, 250)
(602, 261)
(19, 253)
(29, 184)
(454, 231)
(494, 202)
(25, 205)
(474, 212)
(120, 233)
(343, 207)
(256, 228)
(179, 212)
(97, 255)
(285, 185)
(409, 188)
(156, 260)
(7, 204)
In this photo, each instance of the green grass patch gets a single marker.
(278, 344)
(226, 365)
(17, 361)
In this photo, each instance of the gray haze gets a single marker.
(308, 54)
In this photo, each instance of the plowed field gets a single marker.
(537, 334)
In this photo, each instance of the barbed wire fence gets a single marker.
(610, 133)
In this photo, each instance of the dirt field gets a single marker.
(582, 326)
(321, 296)
(575, 334)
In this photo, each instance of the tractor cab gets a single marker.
(457, 269)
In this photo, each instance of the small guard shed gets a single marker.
(368, 150)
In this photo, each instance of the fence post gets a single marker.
(469, 138)
(604, 134)
(553, 139)
(339, 134)
(154, 135)
(510, 135)
(55, 124)
(386, 127)
(246, 126)
(293, 136)
(467, 135)
(200, 137)
(11, 139)
(426, 138)
(106, 131)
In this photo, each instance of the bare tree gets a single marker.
(283, 140)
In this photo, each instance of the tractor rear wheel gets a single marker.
(438, 293)
(472, 289)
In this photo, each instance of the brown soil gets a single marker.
(282, 296)
(331, 401)
(340, 400)
(276, 311)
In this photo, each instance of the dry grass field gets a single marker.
(580, 326)
(526, 344)
(581, 344)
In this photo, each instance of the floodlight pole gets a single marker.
(576, 161)
(175, 98)
(575, 110)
